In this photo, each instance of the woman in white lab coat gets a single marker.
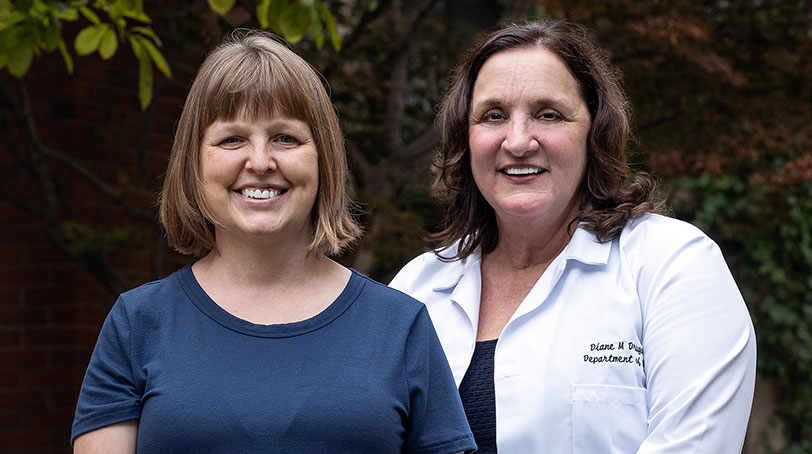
(574, 317)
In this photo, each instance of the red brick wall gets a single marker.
(51, 306)
(50, 313)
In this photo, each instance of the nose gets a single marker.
(519, 139)
(261, 158)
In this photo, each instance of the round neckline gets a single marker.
(207, 306)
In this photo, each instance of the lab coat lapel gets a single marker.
(583, 247)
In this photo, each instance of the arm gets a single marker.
(699, 348)
(115, 439)
(437, 422)
(110, 392)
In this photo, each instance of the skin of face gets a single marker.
(260, 176)
(527, 135)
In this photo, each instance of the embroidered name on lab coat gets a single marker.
(621, 352)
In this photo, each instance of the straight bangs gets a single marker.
(255, 85)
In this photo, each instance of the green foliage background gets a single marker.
(721, 93)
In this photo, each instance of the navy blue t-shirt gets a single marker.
(366, 375)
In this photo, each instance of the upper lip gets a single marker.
(521, 166)
(268, 186)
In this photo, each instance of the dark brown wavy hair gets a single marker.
(611, 194)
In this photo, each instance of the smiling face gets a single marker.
(527, 135)
(259, 177)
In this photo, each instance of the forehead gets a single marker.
(246, 120)
(526, 71)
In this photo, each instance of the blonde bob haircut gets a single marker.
(253, 74)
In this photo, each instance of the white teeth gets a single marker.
(523, 171)
(260, 193)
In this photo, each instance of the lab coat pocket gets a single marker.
(608, 419)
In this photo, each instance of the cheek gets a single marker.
(567, 148)
(484, 140)
(483, 146)
(214, 164)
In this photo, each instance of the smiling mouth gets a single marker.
(522, 171)
(256, 193)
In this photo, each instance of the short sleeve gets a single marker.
(109, 394)
(437, 422)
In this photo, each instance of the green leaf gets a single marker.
(330, 22)
(294, 22)
(144, 80)
(146, 31)
(156, 56)
(307, 3)
(51, 36)
(221, 7)
(138, 14)
(90, 15)
(24, 5)
(316, 28)
(262, 13)
(137, 48)
(63, 49)
(108, 44)
(3, 60)
(115, 11)
(276, 9)
(132, 5)
(88, 40)
(62, 9)
(5, 12)
(68, 14)
(19, 59)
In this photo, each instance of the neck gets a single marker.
(261, 262)
(524, 244)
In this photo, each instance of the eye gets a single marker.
(549, 115)
(492, 115)
(286, 139)
(230, 142)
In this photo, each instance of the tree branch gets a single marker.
(97, 183)
(366, 18)
(418, 147)
(95, 262)
(39, 151)
(26, 118)
(403, 38)
(399, 53)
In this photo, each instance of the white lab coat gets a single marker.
(643, 344)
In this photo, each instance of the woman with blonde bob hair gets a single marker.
(575, 318)
(264, 344)
(256, 81)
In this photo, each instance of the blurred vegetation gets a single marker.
(721, 92)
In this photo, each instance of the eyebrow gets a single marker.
(292, 126)
(490, 103)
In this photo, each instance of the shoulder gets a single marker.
(153, 296)
(666, 255)
(657, 227)
(431, 271)
(658, 235)
(384, 297)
